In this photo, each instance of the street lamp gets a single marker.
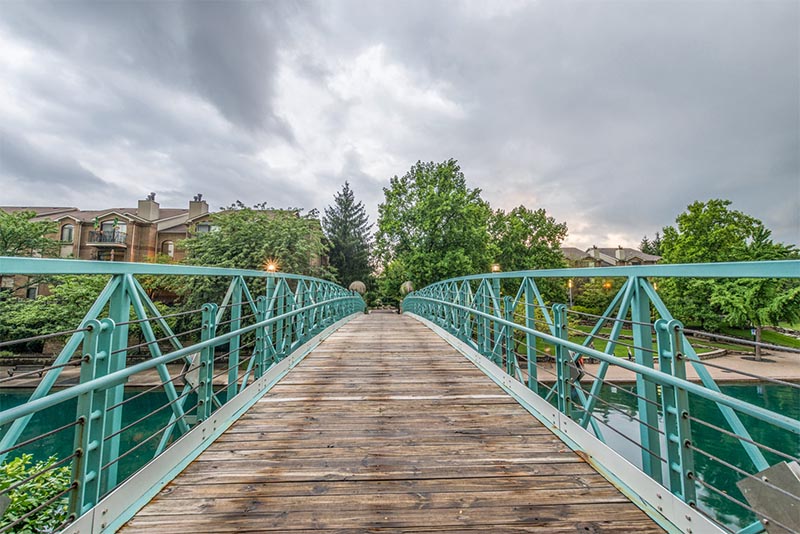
(495, 267)
(271, 266)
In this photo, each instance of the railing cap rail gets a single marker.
(742, 269)
(30, 266)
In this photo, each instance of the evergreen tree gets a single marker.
(347, 228)
(651, 246)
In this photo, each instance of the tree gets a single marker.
(711, 232)
(20, 235)
(434, 224)
(525, 239)
(70, 297)
(347, 228)
(762, 301)
(247, 238)
(651, 247)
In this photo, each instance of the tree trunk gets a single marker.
(758, 343)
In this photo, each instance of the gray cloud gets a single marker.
(21, 161)
(612, 116)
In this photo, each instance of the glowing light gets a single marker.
(495, 267)
(271, 266)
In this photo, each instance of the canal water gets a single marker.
(617, 413)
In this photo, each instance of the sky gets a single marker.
(611, 115)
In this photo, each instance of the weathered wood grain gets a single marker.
(385, 428)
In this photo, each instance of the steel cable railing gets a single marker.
(496, 326)
(260, 332)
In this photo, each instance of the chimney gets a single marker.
(197, 206)
(620, 253)
(148, 208)
(595, 252)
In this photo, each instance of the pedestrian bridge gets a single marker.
(291, 409)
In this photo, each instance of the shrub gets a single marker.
(33, 493)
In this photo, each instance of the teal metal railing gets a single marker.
(505, 318)
(260, 320)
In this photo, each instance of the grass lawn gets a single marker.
(767, 336)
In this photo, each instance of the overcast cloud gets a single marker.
(613, 116)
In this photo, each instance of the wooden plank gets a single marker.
(385, 428)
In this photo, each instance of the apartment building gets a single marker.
(124, 234)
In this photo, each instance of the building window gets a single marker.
(31, 292)
(168, 248)
(67, 231)
(203, 228)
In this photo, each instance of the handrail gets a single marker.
(662, 378)
(261, 330)
(743, 269)
(39, 266)
(512, 330)
(120, 376)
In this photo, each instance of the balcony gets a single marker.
(112, 238)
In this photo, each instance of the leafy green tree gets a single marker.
(347, 228)
(525, 239)
(247, 238)
(20, 235)
(389, 282)
(433, 224)
(711, 232)
(762, 301)
(63, 309)
(46, 482)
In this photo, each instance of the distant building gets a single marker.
(123, 234)
(607, 257)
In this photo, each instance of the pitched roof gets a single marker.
(574, 253)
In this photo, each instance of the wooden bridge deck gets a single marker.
(386, 428)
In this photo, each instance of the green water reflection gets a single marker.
(61, 444)
(781, 399)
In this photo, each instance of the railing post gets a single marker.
(563, 370)
(280, 308)
(530, 339)
(646, 389)
(508, 315)
(92, 412)
(235, 343)
(205, 390)
(261, 338)
(119, 311)
(675, 402)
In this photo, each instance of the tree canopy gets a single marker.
(433, 224)
(347, 228)
(20, 235)
(525, 239)
(711, 232)
(247, 238)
